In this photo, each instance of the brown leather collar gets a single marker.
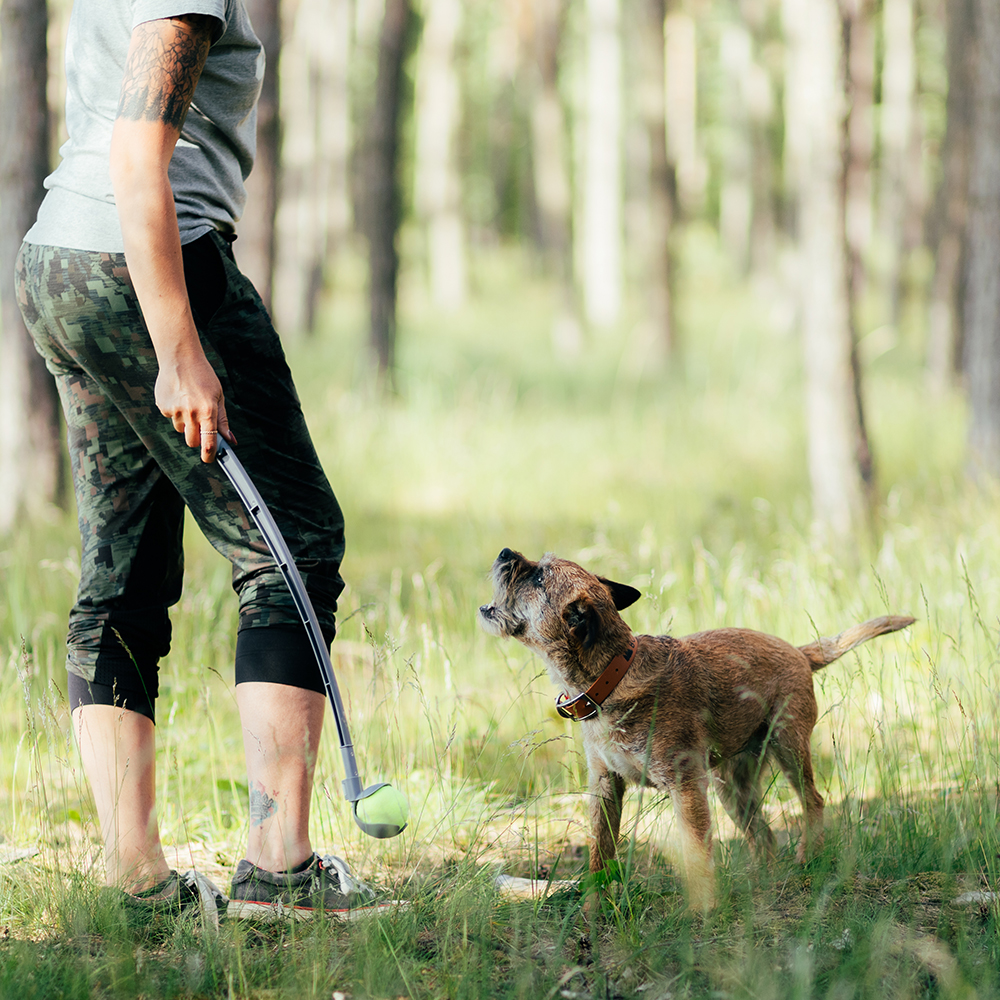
(588, 704)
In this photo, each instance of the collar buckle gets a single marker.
(587, 705)
(579, 708)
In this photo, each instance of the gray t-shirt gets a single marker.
(216, 147)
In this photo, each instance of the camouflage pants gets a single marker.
(133, 474)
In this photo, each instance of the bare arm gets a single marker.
(165, 61)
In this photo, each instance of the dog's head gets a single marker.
(553, 604)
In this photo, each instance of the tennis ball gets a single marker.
(383, 813)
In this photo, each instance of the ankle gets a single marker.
(300, 868)
(135, 882)
(283, 862)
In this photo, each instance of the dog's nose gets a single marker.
(505, 555)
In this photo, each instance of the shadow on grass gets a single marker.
(887, 909)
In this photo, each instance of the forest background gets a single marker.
(705, 295)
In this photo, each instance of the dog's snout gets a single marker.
(506, 555)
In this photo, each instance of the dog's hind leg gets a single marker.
(607, 792)
(797, 765)
(737, 781)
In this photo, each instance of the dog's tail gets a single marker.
(824, 651)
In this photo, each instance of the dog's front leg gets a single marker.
(607, 792)
(689, 791)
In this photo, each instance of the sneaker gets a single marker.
(188, 893)
(325, 887)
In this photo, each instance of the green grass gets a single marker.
(690, 484)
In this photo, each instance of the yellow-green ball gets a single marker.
(383, 813)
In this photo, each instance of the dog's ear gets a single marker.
(583, 621)
(621, 593)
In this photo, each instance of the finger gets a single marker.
(224, 425)
(192, 433)
(209, 443)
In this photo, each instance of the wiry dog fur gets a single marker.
(719, 702)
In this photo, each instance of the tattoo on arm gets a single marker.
(262, 805)
(165, 60)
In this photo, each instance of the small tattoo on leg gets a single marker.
(262, 805)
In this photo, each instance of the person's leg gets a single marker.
(109, 345)
(280, 693)
(118, 751)
(281, 730)
(279, 690)
(79, 310)
(282, 877)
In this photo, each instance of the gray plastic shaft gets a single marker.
(264, 520)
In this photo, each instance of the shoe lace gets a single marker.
(348, 883)
(209, 894)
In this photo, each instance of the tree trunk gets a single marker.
(897, 124)
(982, 304)
(759, 97)
(382, 203)
(948, 224)
(31, 467)
(816, 121)
(736, 193)
(256, 246)
(682, 110)
(661, 188)
(314, 213)
(550, 170)
(548, 138)
(859, 76)
(859, 39)
(437, 181)
(602, 197)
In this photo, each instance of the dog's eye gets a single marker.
(538, 577)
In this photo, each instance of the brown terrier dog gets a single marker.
(665, 712)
